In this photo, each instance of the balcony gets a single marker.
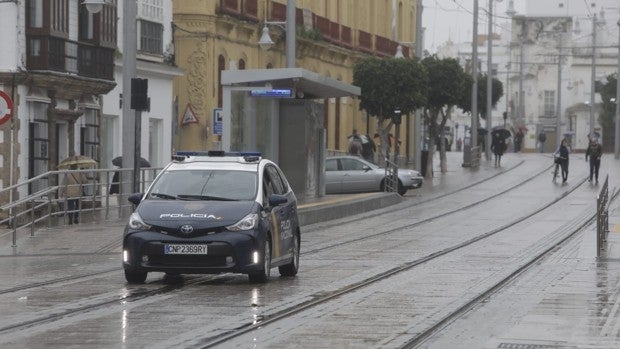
(65, 56)
(241, 9)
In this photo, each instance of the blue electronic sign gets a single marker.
(275, 93)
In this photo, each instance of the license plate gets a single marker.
(185, 249)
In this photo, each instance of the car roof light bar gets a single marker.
(249, 156)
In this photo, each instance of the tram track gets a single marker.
(317, 298)
(323, 298)
(104, 250)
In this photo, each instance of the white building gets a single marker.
(538, 75)
(62, 65)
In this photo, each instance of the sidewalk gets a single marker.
(90, 237)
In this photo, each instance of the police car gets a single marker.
(214, 212)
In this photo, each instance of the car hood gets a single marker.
(200, 214)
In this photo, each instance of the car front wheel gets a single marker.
(401, 189)
(262, 275)
(135, 277)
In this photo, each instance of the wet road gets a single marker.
(374, 280)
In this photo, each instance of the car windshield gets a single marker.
(205, 185)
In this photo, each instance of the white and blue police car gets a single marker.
(214, 212)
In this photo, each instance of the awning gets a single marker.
(307, 84)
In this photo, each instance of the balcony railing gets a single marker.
(331, 32)
(242, 9)
(56, 54)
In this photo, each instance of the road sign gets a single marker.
(6, 107)
(218, 123)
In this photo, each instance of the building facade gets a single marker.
(58, 61)
(63, 67)
(212, 36)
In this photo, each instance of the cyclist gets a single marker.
(562, 153)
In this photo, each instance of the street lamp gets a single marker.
(94, 6)
(489, 113)
(265, 41)
(131, 122)
(617, 138)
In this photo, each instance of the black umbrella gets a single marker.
(118, 161)
(501, 133)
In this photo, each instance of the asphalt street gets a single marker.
(580, 309)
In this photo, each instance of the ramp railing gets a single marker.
(602, 217)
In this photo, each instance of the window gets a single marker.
(90, 134)
(151, 37)
(549, 103)
(38, 153)
(35, 13)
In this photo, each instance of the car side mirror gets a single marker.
(135, 198)
(277, 199)
(366, 168)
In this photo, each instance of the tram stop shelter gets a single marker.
(280, 112)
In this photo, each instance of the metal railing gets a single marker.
(391, 176)
(46, 208)
(602, 217)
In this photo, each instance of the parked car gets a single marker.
(352, 174)
(211, 213)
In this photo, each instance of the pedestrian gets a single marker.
(498, 146)
(355, 144)
(368, 148)
(71, 189)
(563, 152)
(518, 140)
(542, 138)
(594, 151)
(459, 144)
(115, 185)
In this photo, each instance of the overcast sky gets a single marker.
(453, 19)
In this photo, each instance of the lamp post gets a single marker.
(474, 88)
(265, 41)
(489, 82)
(617, 134)
(592, 77)
(131, 120)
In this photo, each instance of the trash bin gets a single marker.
(424, 159)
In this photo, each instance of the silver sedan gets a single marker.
(352, 174)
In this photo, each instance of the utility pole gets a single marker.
(558, 113)
(593, 77)
(417, 120)
(131, 118)
(521, 116)
(474, 87)
(617, 138)
(487, 144)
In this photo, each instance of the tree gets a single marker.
(387, 85)
(607, 116)
(497, 91)
(447, 83)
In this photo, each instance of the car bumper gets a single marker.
(227, 252)
(412, 182)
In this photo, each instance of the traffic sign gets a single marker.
(6, 107)
(218, 122)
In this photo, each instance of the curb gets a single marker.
(334, 209)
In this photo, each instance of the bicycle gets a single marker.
(556, 170)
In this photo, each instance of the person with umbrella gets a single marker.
(71, 189)
(498, 145)
(115, 186)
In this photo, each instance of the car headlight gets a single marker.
(136, 222)
(246, 223)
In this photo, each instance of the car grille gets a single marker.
(186, 261)
(177, 232)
